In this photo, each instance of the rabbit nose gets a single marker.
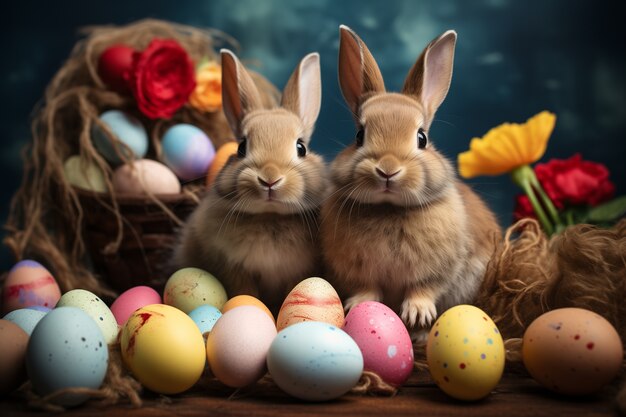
(386, 175)
(269, 184)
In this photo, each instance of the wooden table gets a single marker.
(515, 396)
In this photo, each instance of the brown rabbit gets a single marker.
(256, 230)
(399, 227)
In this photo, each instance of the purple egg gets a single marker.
(188, 151)
(40, 308)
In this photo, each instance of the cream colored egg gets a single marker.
(189, 288)
(313, 299)
(95, 308)
(145, 176)
(84, 174)
(465, 353)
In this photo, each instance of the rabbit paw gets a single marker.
(359, 298)
(420, 310)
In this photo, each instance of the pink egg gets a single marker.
(238, 344)
(383, 339)
(29, 284)
(131, 300)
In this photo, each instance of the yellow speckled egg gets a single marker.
(465, 353)
(163, 348)
(246, 300)
(189, 288)
(572, 351)
(313, 299)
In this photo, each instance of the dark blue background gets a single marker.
(513, 59)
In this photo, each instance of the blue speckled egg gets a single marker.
(26, 318)
(205, 317)
(315, 361)
(188, 151)
(128, 129)
(66, 349)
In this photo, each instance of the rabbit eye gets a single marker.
(422, 139)
(360, 135)
(301, 148)
(241, 150)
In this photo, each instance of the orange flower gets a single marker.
(208, 93)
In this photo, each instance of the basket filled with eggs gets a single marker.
(128, 136)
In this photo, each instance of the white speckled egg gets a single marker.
(95, 308)
(26, 318)
(465, 353)
(66, 350)
(315, 361)
(237, 345)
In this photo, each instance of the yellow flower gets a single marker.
(507, 147)
(208, 93)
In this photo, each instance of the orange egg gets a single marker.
(313, 299)
(221, 157)
(246, 300)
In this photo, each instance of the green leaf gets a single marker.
(612, 210)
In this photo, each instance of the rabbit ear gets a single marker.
(358, 72)
(239, 93)
(430, 77)
(303, 92)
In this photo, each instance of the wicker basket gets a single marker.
(149, 233)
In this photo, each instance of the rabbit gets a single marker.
(256, 230)
(398, 227)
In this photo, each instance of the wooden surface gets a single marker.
(514, 396)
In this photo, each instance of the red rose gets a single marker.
(573, 182)
(523, 208)
(162, 78)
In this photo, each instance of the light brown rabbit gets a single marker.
(399, 227)
(257, 229)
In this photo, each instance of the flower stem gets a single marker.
(522, 176)
(547, 202)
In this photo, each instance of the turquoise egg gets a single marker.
(127, 129)
(188, 151)
(314, 361)
(205, 317)
(25, 318)
(66, 349)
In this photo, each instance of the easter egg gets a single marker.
(67, 349)
(29, 284)
(222, 156)
(25, 318)
(237, 346)
(315, 361)
(131, 300)
(95, 308)
(113, 63)
(145, 176)
(189, 288)
(127, 129)
(465, 353)
(205, 317)
(188, 151)
(572, 351)
(163, 348)
(383, 339)
(246, 300)
(313, 299)
(84, 174)
(40, 308)
(13, 342)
